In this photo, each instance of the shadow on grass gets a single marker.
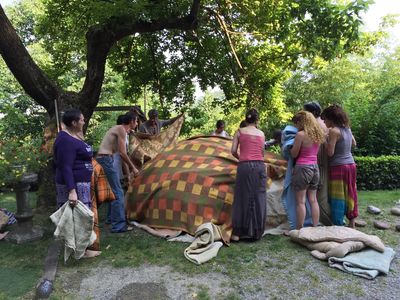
(22, 265)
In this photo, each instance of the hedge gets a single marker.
(378, 173)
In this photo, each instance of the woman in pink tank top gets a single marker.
(249, 204)
(305, 177)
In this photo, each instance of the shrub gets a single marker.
(378, 173)
(19, 156)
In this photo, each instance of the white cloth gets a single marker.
(205, 245)
(75, 228)
(223, 133)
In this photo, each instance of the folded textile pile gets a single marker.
(337, 241)
(206, 244)
(75, 228)
(367, 263)
(341, 247)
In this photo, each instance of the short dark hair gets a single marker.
(120, 119)
(251, 116)
(313, 107)
(336, 115)
(129, 117)
(70, 115)
(153, 113)
(220, 123)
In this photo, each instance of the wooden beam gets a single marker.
(113, 108)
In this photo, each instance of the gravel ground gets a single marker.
(278, 282)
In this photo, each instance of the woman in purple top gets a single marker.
(73, 160)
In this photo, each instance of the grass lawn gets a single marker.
(21, 265)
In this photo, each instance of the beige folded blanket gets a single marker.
(336, 241)
(206, 244)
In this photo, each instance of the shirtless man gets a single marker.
(113, 142)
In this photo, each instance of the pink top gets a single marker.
(251, 147)
(308, 155)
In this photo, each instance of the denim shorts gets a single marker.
(305, 177)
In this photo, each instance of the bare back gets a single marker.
(109, 144)
(252, 130)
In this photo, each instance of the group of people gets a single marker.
(321, 143)
(73, 161)
(317, 136)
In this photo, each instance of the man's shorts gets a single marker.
(305, 177)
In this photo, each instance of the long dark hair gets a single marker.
(336, 115)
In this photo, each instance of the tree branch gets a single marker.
(32, 79)
(100, 39)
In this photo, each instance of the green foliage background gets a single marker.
(288, 53)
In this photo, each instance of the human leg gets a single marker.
(312, 198)
(312, 194)
(300, 207)
(118, 220)
(336, 192)
(351, 195)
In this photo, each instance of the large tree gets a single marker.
(245, 47)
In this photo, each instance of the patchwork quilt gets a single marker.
(189, 184)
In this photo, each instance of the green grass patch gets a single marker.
(22, 265)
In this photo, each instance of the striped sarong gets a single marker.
(343, 193)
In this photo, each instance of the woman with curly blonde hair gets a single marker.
(306, 172)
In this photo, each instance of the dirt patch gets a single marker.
(303, 278)
(145, 282)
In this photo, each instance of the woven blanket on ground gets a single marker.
(206, 244)
(367, 263)
(75, 228)
(144, 147)
(334, 241)
(190, 184)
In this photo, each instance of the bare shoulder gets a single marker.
(334, 131)
(301, 134)
(260, 132)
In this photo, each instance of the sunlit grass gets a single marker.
(22, 265)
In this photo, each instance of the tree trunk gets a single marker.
(100, 39)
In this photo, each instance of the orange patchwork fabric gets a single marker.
(100, 189)
(189, 184)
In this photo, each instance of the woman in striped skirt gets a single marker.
(342, 168)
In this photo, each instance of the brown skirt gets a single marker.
(249, 208)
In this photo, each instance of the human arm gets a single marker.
(353, 141)
(332, 138)
(298, 141)
(170, 121)
(235, 144)
(121, 134)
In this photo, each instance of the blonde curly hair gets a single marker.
(306, 121)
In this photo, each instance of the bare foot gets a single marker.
(285, 233)
(91, 253)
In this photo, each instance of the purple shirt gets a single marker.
(73, 160)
